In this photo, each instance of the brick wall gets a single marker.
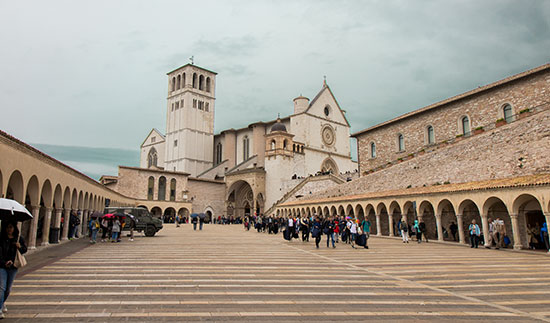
(482, 109)
(207, 194)
(517, 149)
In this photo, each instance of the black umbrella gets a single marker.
(11, 210)
(202, 215)
(97, 214)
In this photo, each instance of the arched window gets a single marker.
(246, 147)
(218, 153)
(508, 114)
(208, 84)
(173, 189)
(194, 80)
(400, 142)
(430, 135)
(183, 83)
(372, 150)
(465, 125)
(162, 189)
(294, 147)
(201, 83)
(152, 158)
(150, 188)
(179, 82)
(273, 144)
(284, 144)
(173, 84)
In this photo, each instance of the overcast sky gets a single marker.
(93, 73)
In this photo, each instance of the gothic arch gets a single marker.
(329, 165)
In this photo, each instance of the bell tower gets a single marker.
(190, 119)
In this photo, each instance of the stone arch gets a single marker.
(341, 211)
(382, 211)
(80, 200)
(329, 166)
(178, 82)
(74, 199)
(529, 212)
(333, 211)
(326, 212)
(359, 213)
(46, 194)
(32, 195)
(201, 82)
(161, 195)
(86, 201)
(394, 218)
(208, 85)
(156, 211)
(350, 211)
(319, 211)
(426, 213)
(470, 211)
(240, 199)
(183, 213)
(446, 211)
(15, 190)
(169, 215)
(371, 215)
(464, 124)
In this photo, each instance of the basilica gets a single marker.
(241, 171)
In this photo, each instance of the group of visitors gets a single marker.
(110, 227)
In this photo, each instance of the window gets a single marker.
(194, 103)
(201, 105)
(284, 144)
(465, 125)
(172, 106)
(207, 107)
(183, 83)
(175, 143)
(150, 188)
(400, 142)
(372, 150)
(272, 144)
(173, 189)
(153, 139)
(162, 188)
(201, 83)
(218, 153)
(181, 104)
(431, 135)
(208, 84)
(152, 158)
(173, 84)
(194, 80)
(177, 105)
(179, 82)
(508, 114)
(327, 110)
(246, 147)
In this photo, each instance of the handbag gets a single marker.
(20, 260)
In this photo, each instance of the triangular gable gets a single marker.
(154, 130)
(318, 96)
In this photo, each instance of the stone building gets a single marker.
(257, 165)
(479, 155)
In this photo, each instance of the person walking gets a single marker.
(305, 230)
(194, 221)
(404, 228)
(290, 227)
(418, 232)
(94, 228)
(422, 227)
(365, 225)
(316, 231)
(500, 232)
(10, 242)
(474, 234)
(328, 229)
(104, 229)
(353, 231)
(544, 236)
(115, 230)
(454, 229)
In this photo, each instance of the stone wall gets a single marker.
(482, 108)
(516, 149)
(207, 194)
(134, 182)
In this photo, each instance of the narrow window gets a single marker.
(173, 189)
(162, 189)
(179, 82)
(372, 150)
(218, 153)
(181, 104)
(208, 84)
(150, 188)
(207, 107)
(431, 135)
(183, 83)
(194, 80)
(177, 105)
(173, 84)
(272, 144)
(201, 83)
(400, 142)
(465, 126)
(194, 103)
(152, 157)
(284, 144)
(175, 143)
(245, 148)
(507, 110)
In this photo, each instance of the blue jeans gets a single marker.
(94, 234)
(330, 236)
(200, 226)
(6, 280)
(114, 236)
(194, 226)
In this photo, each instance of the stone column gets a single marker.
(65, 234)
(78, 228)
(84, 223)
(34, 227)
(390, 221)
(439, 227)
(378, 225)
(46, 227)
(485, 226)
(460, 225)
(515, 231)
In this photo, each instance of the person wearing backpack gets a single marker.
(328, 229)
(316, 231)
(365, 225)
(94, 228)
(422, 227)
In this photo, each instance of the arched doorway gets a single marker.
(169, 215)
(240, 200)
(156, 212)
(529, 214)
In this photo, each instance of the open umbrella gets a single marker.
(202, 215)
(109, 216)
(194, 215)
(13, 211)
(97, 214)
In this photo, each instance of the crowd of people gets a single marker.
(110, 228)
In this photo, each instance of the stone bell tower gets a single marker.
(190, 119)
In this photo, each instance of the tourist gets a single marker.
(418, 231)
(544, 236)
(10, 242)
(454, 229)
(336, 229)
(115, 230)
(194, 220)
(201, 222)
(423, 230)
(365, 225)
(353, 231)
(94, 227)
(177, 221)
(492, 234)
(500, 232)
(305, 230)
(474, 234)
(404, 229)
(74, 221)
(290, 227)
(328, 229)
(316, 231)
(104, 229)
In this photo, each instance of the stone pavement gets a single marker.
(224, 273)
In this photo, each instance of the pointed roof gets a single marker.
(326, 87)
(189, 64)
(150, 132)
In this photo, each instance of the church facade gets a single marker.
(258, 164)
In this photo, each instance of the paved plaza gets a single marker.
(224, 273)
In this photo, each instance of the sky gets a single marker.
(93, 73)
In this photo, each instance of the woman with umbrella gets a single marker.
(10, 243)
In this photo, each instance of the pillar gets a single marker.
(485, 226)
(547, 216)
(515, 231)
(65, 234)
(34, 227)
(378, 225)
(46, 227)
(78, 229)
(439, 227)
(84, 223)
(390, 221)
(460, 225)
